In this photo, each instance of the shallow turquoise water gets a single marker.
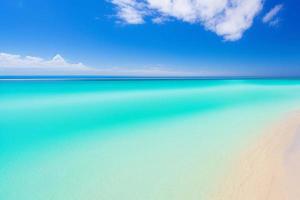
(130, 140)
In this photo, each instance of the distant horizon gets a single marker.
(116, 77)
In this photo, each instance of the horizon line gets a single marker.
(105, 77)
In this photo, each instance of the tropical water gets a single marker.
(130, 139)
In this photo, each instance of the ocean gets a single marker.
(130, 139)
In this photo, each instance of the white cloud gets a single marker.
(227, 18)
(130, 11)
(270, 17)
(12, 60)
(160, 20)
(11, 64)
(17, 65)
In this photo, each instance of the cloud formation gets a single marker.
(17, 65)
(227, 18)
(13, 60)
(130, 11)
(270, 18)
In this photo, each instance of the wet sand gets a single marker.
(270, 169)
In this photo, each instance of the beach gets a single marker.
(149, 139)
(269, 169)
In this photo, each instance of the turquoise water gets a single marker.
(130, 140)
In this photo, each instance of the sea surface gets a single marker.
(130, 139)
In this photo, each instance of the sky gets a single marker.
(150, 37)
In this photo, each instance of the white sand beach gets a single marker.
(268, 170)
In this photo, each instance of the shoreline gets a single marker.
(269, 169)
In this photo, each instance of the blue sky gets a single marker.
(150, 37)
